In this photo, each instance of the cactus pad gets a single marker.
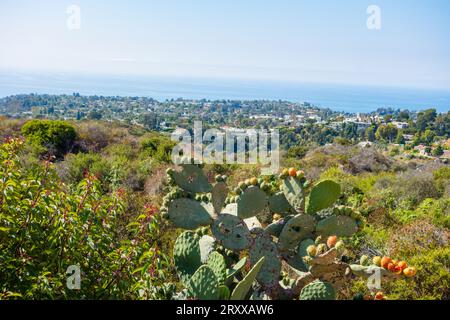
(323, 195)
(219, 195)
(217, 264)
(296, 261)
(203, 285)
(231, 232)
(242, 288)
(318, 290)
(296, 229)
(186, 254)
(293, 192)
(275, 228)
(192, 179)
(341, 226)
(263, 246)
(252, 201)
(189, 214)
(279, 204)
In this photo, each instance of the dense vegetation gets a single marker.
(88, 193)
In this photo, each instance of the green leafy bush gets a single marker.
(57, 137)
(44, 229)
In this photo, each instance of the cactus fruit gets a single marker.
(203, 285)
(292, 172)
(252, 201)
(341, 226)
(296, 229)
(293, 192)
(364, 260)
(323, 195)
(217, 264)
(311, 250)
(377, 261)
(192, 179)
(321, 248)
(219, 194)
(331, 241)
(186, 254)
(189, 214)
(243, 287)
(279, 204)
(231, 232)
(318, 290)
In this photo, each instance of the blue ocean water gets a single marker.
(348, 98)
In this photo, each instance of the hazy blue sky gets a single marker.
(308, 41)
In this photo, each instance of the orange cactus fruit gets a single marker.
(385, 262)
(398, 270)
(253, 181)
(410, 272)
(379, 296)
(331, 241)
(391, 267)
(292, 172)
(403, 265)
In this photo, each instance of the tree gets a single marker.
(426, 119)
(386, 132)
(370, 133)
(438, 151)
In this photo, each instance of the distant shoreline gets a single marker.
(337, 97)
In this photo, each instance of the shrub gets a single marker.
(44, 229)
(432, 280)
(57, 137)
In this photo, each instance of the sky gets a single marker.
(323, 41)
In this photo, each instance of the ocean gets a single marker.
(346, 98)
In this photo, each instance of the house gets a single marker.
(421, 149)
(400, 125)
(445, 155)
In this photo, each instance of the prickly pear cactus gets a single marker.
(251, 202)
(192, 179)
(274, 228)
(292, 189)
(341, 226)
(186, 254)
(219, 195)
(323, 195)
(263, 246)
(189, 214)
(243, 287)
(296, 229)
(318, 290)
(217, 264)
(231, 232)
(203, 285)
(279, 204)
